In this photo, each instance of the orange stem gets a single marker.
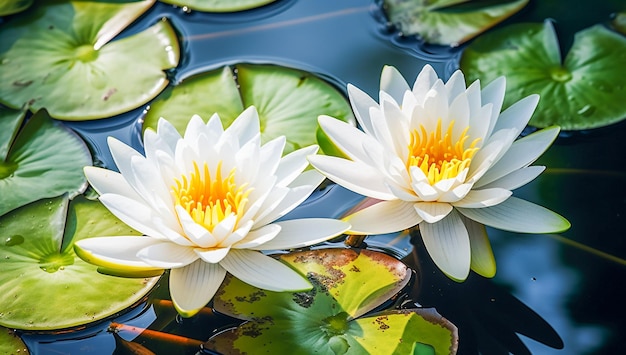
(154, 334)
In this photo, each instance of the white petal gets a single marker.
(383, 217)
(225, 228)
(271, 153)
(264, 272)
(517, 215)
(424, 81)
(197, 234)
(258, 236)
(245, 126)
(298, 233)
(483, 198)
(393, 83)
(521, 154)
(483, 262)
(212, 256)
(292, 165)
(432, 212)
(116, 252)
(518, 114)
(517, 178)
(193, 286)
(239, 234)
(153, 190)
(361, 103)
(122, 155)
(353, 175)
(460, 113)
(456, 194)
(448, 244)
(167, 255)
(349, 139)
(106, 181)
(168, 133)
(455, 86)
(494, 93)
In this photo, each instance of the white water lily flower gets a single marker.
(441, 156)
(207, 203)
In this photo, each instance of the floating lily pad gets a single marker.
(586, 90)
(8, 7)
(43, 284)
(448, 22)
(43, 159)
(288, 101)
(219, 5)
(58, 55)
(330, 319)
(11, 344)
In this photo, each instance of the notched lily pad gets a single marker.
(43, 159)
(331, 318)
(219, 5)
(43, 284)
(288, 101)
(11, 344)
(59, 55)
(448, 22)
(9, 7)
(586, 90)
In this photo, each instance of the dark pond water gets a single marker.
(557, 291)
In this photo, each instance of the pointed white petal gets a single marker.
(151, 187)
(271, 153)
(456, 194)
(483, 198)
(168, 133)
(521, 154)
(258, 236)
(197, 234)
(122, 155)
(361, 103)
(494, 93)
(479, 123)
(460, 113)
(298, 233)
(483, 262)
(518, 114)
(194, 285)
(245, 126)
(116, 252)
(353, 175)
(238, 234)
(195, 127)
(349, 139)
(292, 165)
(383, 217)
(455, 86)
(393, 83)
(106, 181)
(167, 255)
(424, 82)
(212, 256)
(517, 215)
(432, 212)
(264, 272)
(448, 244)
(517, 178)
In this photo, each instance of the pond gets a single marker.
(552, 293)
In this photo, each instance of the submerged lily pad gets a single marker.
(288, 101)
(43, 284)
(219, 5)
(43, 159)
(448, 22)
(586, 90)
(330, 319)
(11, 344)
(58, 55)
(8, 7)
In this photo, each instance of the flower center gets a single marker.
(209, 200)
(437, 155)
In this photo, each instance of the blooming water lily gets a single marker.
(441, 156)
(207, 203)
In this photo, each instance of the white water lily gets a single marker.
(441, 156)
(208, 204)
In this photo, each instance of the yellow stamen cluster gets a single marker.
(210, 199)
(437, 155)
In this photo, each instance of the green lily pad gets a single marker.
(219, 5)
(448, 22)
(43, 159)
(58, 55)
(330, 319)
(43, 284)
(288, 101)
(11, 344)
(8, 7)
(586, 90)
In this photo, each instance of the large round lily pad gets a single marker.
(11, 344)
(41, 160)
(8, 7)
(333, 317)
(43, 284)
(586, 90)
(448, 22)
(288, 101)
(219, 5)
(58, 55)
